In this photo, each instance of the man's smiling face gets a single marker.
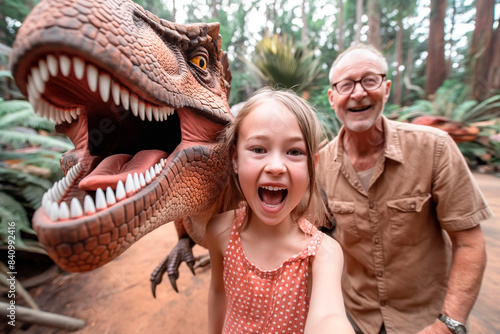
(360, 110)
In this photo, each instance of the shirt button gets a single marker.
(413, 206)
(382, 303)
(380, 273)
(376, 241)
(371, 205)
(356, 183)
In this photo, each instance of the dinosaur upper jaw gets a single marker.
(122, 141)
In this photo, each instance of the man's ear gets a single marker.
(330, 98)
(387, 90)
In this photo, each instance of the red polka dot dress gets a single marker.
(267, 301)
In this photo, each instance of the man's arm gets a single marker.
(466, 274)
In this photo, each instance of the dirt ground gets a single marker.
(117, 297)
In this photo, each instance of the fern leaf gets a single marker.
(18, 138)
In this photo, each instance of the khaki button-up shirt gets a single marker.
(397, 255)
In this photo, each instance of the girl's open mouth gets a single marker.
(272, 196)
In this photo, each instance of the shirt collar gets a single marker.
(392, 147)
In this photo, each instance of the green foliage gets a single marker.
(281, 63)
(12, 13)
(8, 87)
(484, 152)
(29, 164)
(326, 115)
(452, 101)
(157, 7)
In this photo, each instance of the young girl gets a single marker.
(272, 270)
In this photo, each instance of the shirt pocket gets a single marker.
(408, 219)
(346, 230)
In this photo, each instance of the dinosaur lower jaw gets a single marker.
(107, 189)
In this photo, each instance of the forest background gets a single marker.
(443, 55)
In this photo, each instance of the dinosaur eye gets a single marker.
(199, 61)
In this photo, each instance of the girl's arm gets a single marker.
(326, 309)
(217, 237)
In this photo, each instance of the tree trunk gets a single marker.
(215, 14)
(449, 61)
(374, 23)
(436, 65)
(340, 29)
(173, 10)
(494, 77)
(359, 13)
(481, 48)
(399, 58)
(304, 23)
(275, 23)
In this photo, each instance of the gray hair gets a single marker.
(357, 46)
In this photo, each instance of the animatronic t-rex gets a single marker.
(143, 100)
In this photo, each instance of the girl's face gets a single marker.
(271, 162)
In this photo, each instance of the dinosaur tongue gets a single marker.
(116, 167)
(270, 197)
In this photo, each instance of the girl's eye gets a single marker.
(199, 61)
(295, 152)
(258, 150)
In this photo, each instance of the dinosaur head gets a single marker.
(143, 100)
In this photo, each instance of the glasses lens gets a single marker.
(372, 81)
(345, 86)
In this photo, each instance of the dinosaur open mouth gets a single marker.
(122, 141)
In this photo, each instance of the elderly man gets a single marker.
(406, 206)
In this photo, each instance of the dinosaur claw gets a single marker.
(153, 288)
(173, 282)
(190, 264)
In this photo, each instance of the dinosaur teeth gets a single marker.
(110, 196)
(88, 205)
(129, 186)
(125, 97)
(79, 67)
(109, 89)
(53, 65)
(92, 75)
(39, 84)
(115, 92)
(134, 104)
(65, 65)
(44, 70)
(104, 86)
(76, 208)
(120, 191)
(100, 200)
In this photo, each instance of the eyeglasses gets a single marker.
(368, 82)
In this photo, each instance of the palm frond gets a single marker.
(11, 106)
(11, 211)
(21, 180)
(281, 63)
(17, 139)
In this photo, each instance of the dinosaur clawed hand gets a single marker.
(182, 252)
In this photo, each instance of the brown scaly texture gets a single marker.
(168, 102)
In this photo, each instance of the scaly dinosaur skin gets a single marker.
(129, 87)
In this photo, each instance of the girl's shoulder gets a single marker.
(329, 251)
(219, 228)
(221, 222)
